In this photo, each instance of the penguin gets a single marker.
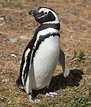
(42, 54)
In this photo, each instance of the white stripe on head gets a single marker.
(46, 10)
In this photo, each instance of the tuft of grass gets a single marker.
(78, 55)
(82, 101)
(88, 105)
(5, 72)
(45, 105)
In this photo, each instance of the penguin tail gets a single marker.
(19, 84)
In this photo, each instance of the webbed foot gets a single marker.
(51, 94)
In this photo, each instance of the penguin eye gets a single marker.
(42, 12)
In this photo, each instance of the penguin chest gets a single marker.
(45, 62)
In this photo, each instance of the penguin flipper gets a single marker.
(27, 60)
(24, 68)
(64, 63)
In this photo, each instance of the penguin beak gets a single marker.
(35, 13)
(31, 12)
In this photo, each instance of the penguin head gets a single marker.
(44, 15)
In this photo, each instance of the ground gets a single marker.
(16, 30)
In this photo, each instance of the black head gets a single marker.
(44, 15)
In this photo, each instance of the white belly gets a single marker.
(44, 63)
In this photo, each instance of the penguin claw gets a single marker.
(51, 94)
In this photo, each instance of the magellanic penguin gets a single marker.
(42, 53)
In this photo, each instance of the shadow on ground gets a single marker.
(59, 81)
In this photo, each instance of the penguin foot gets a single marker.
(51, 94)
(19, 85)
(34, 100)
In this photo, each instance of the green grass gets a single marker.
(5, 72)
(78, 55)
(81, 101)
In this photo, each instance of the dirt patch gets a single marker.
(16, 30)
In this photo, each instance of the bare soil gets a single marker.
(16, 30)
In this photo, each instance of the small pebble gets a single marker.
(13, 40)
(2, 21)
(5, 80)
(24, 37)
(13, 55)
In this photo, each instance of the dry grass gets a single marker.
(74, 15)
